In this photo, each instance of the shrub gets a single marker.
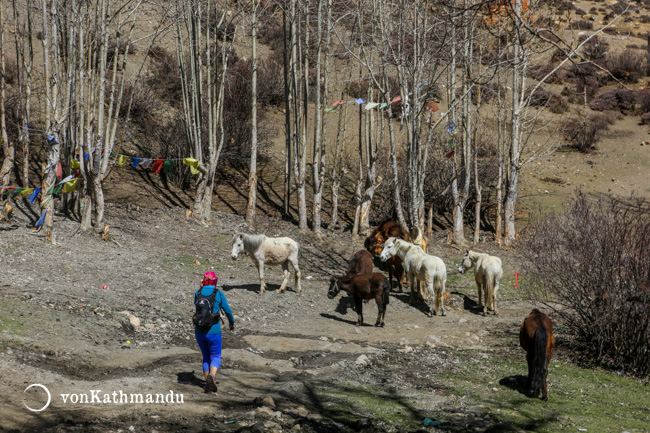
(645, 119)
(540, 71)
(165, 75)
(643, 100)
(142, 103)
(581, 25)
(628, 66)
(583, 133)
(270, 82)
(622, 100)
(591, 263)
(271, 33)
(544, 98)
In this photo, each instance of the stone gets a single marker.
(269, 402)
(362, 360)
(405, 349)
(149, 326)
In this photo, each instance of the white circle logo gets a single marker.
(49, 397)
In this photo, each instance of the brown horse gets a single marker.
(363, 287)
(375, 242)
(360, 263)
(536, 338)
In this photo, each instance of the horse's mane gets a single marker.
(252, 242)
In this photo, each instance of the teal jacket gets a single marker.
(219, 303)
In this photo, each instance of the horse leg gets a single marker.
(495, 289)
(380, 309)
(358, 304)
(430, 289)
(296, 270)
(529, 359)
(411, 278)
(442, 296)
(260, 269)
(285, 274)
(482, 297)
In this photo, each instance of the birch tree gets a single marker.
(252, 176)
(203, 89)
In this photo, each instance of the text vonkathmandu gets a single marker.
(96, 396)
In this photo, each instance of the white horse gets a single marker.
(487, 273)
(269, 251)
(420, 265)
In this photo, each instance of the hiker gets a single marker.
(207, 328)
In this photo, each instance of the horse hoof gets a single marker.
(357, 324)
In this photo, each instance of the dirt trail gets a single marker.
(61, 329)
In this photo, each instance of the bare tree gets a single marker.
(252, 176)
(203, 89)
(8, 147)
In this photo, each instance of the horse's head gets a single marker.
(334, 288)
(376, 244)
(466, 263)
(389, 250)
(237, 245)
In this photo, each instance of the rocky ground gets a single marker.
(291, 363)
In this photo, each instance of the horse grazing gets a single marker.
(269, 251)
(375, 242)
(360, 263)
(487, 273)
(536, 338)
(420, 265)
(363, 287)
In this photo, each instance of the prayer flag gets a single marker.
(337, 103)
(371, 105)
(168, 166)
(329, 110)
(432, 106)
(121, 160)
(86, 156)
(17, 191)
(59, 170)
(51, 140)
(193, 163)
(74, 164)
(146, 162)
(395, 99)
(423, 83)
(157, 165)
(450, 126)
(26, 191)
(136, 161)
(383, 105)
(72, 176)
(50, 190)
(41, 220)
(34, 195)
(70, 186)
(450, 154)
(360, 101)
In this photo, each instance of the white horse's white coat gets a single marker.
(418, 264)
(269, 251)
(488, 272)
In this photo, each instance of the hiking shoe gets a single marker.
(206, 388)
(212, 383)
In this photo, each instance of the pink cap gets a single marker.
(210, 276)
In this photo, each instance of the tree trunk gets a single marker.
(252, 176)
(8, 147)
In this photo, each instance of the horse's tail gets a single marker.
(386, 292)
(540, 341)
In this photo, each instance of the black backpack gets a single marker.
(203, 316)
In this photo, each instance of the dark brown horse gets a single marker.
(536, 338)
(360, 263)
(363, 287)
(375, 242)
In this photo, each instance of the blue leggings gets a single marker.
(210, 345)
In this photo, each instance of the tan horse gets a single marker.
(422, 266)
(488, 272)
(269, 251)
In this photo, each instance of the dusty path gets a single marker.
(61, 329)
